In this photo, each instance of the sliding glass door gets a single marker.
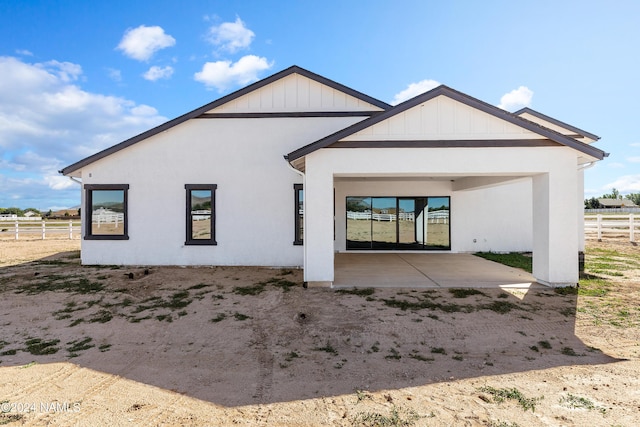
(398, 223)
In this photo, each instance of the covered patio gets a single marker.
(426, 270)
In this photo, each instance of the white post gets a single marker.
(43, 230)
(16, 230)
(632, 231)
(599, 217)
(70, 229)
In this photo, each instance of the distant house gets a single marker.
(617, 203)
(295, 168)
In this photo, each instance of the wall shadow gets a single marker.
(239, 336)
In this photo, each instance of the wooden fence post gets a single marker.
(632, 229)
(599, 217)
(16, 230)
(70, 229)
(43, 230)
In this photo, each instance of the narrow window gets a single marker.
(106, 215)
(201, 214)
(298, 214)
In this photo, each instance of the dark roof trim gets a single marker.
(444, 143)
(458, 96)
(580, 132)
(199, 111)
(288, 115)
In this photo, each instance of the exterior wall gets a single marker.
(254, 197)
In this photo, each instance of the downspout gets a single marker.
(587, 166)
(75, 180)
(304, 224)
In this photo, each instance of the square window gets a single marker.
(106, 212)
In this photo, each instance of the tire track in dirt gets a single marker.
(66, 371)
(265, 362)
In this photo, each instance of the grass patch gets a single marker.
(512, 259)
(405, 305)
(240, 316)
(220, 317)
(501, 307)
(75, 346)
(249, 290)
(545, 344)
(328, 348)
(102, 316)
(438, 350)
(500, 395)
(393, 354)
(577, 402)
(362, 292)
(104, 347)
(396, 417)
(53, 283)
(568, 351)
(463, 293)
(38, 347)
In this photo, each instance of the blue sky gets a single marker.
(78, 76)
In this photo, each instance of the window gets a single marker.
(106, 207)
(298, 214)
(201, 214)
(398, 223)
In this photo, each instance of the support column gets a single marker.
(555, 228)
(318, 232)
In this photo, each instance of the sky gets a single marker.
(77, 77)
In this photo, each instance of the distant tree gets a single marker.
(634, 197)
(79, 209)
(11, 211)
(592, 203)
(66, 213)
(615, 194)
(48, 214)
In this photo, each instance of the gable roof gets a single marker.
(457, 96)
(582, 133)
(225, 99)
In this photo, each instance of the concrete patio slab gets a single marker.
(418, 270)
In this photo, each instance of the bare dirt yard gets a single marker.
(165, 346)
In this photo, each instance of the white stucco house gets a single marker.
(295, 168)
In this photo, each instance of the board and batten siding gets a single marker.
(445, 119)
(295, 93)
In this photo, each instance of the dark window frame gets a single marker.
(88, 209)
(298, 239)
(189, 240)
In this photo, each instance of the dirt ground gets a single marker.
(109, 345)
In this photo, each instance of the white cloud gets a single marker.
(516, 99)
(635, 144)
(626, 184)
(155, 73)
(24, 52)
(634, 159)
(413, 90)
(142, 42)
(223, 74)
(48, 121)
(231, 36)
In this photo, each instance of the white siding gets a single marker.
(254, 198)
(295, 93)
(443, 118)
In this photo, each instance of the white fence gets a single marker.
(435, 217)
(41, 229)
(612, 224)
